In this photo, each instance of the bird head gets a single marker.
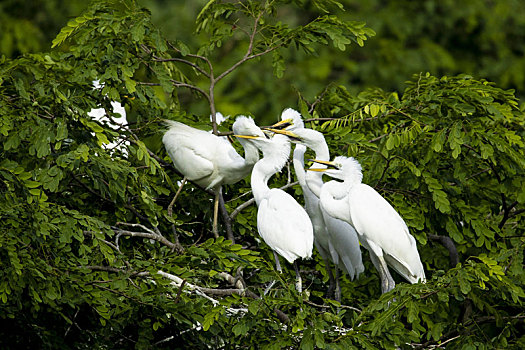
(342, 168)
(290, 120)
(291, 135)
(245, 127)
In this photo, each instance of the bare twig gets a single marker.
(340, 306)
(189, 63)
(148, 234)
(177, 83)
(237, 282)
(72, 323)
(116, 270)
(170, 206)
(208, 62)
(378, 138)
(252, 200)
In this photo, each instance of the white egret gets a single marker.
(207, 159)
(282, 223)
(381, 229)
(334, 239)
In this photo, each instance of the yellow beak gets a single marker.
(325, 162)
(283, 124)
(247, 136)
(317, 169)
(290, 134)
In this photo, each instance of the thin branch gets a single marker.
(384, 172)
(137, 300)
(170, 206)
(248, 55)
(193, 56)
(116, 270)
(73, 323)
(252, 200)
(148, 234)
(189, 63)
(189, 86)
(164, 340)
(325, 306)
(448, 340)
(476, 174)
(378, 138)
(237, 282)
(147, 83)
(203, 292)
(177, 298)
(246, 58)
(90, 189)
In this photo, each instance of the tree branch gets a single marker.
(116, 270)
(189, 86)
(226, 217)
(148, 234)
(208, 62)
(189, 63)
(252, 200)
(325, 306)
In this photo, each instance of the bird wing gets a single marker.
(344, 239)
(202, 157)
(285, 226)
(377, 221)
(189, 154)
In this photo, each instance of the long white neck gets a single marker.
(251, 153)
(311, 201)
(334, 200)
(298, 164)
(275, 154)
(317, 143)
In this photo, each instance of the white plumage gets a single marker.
(282, 223)
(207, 159)
(334, 238)
(381, 230)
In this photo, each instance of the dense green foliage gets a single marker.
(93, 257)
(478, 37)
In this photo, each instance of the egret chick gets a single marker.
(334, 238)
(208, 160)
(380, 228)
(282, 223)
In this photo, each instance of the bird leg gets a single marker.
(387, 282)
(216, 213)
(337, 285)
(278, 268)
(227, 219)
(331, 281)
(277, 263)
(298, 279)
